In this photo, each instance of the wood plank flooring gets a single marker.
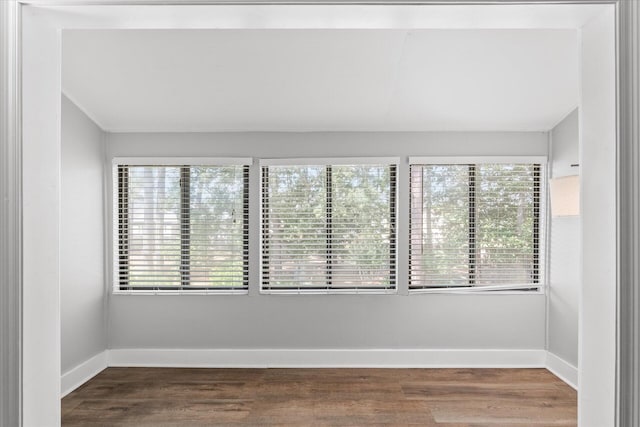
(304, 397)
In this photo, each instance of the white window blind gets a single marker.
(328, 227)
(476, 226)
(182, 227)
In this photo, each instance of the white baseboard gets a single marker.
(327, 358)
(318, 358)
(562, 369)
(82, 373)
(315, 358)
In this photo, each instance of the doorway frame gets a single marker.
(12, 317)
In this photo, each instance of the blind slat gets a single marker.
(328, 226)
(475, 225)
(182, 227)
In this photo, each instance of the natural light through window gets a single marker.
(182, 227)
(476, 226)
(328, 227)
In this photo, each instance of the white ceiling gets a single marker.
(322, 80)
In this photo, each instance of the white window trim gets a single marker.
(255, 280)
(350, 291)
(327, 161)
(485, 290)
(514, 289)
(179, 161)
(463, 160)
(163, 161)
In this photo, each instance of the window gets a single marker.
(476, 225)
(181, 227)
(329, 226)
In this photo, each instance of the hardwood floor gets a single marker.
(426, 397)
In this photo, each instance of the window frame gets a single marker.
(176, 162)
(394, 161)
(542, 220)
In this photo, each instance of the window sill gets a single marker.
(451, 291)
(329, 292)
(182, 293)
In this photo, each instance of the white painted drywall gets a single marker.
(41, 143)
(82, 290)
(41, 221)
(327, 321)
(597, 354)
(565, 146)
(323, 80)
(564, 250)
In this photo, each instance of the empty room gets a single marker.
(320, 214)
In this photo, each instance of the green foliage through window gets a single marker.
(475, 225)
(328, 227)
(183, 227)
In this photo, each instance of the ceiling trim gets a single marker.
(305, 3)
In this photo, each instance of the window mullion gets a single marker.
(392, 225)
(265, 226)
(123, 224)
(472, 225)
(185, 225)
(245, 225)
(536, 223)
(329, 224)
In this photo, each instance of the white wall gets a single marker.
(564, 250)
(82, 291)
(327, 321)
(41, 201)
(597, 354)
(40, 221)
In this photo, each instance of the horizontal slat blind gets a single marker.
(328, 227)
(439, 251)
(182, 227)
(476, 225)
